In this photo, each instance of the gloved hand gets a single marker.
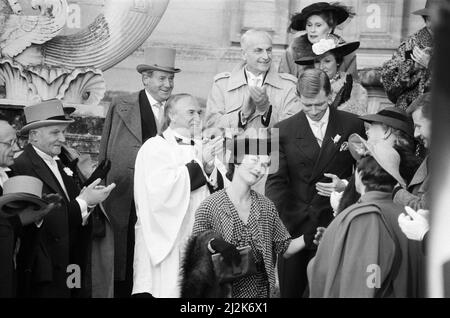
(99, 173)
(415, 225)
(229, 252)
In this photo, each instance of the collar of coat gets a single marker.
(238, 79)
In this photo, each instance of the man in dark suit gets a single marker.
(49, 248)
(313, 151)
(130, 121)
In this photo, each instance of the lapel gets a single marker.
(305, 140)
(420, 175)
(43, 171)
(130, 113)
(329, 148)
(69, 183)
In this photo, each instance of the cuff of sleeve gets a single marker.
(210, 249)
(84, 210)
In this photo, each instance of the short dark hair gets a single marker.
(422, 102)
(374, 177)
(312, 81)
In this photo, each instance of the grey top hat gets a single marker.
(428, 8)
(46, 113)
(158, 59)
(21, 191)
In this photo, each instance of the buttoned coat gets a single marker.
(230, 92)
(121, 141)
(46, 253)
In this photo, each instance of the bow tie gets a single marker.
(186, 142)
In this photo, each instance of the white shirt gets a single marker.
(3, 175)
(51, 163)
(157, 111)
(255, 81)
(319, 128)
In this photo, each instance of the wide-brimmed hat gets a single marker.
(332, 44)
(46, 113)
(428, 8)
(21, 191)
(386, 156)
(158, 59)
(241, 146)
(340, 13)
(392, 117)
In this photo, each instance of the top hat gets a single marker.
(332, 44)
(386, 156)
(21, 191)
(393, 117)
(428, 8)
(340, 13)
(46, 113)
(158, 59)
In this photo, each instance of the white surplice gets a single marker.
(165, 208)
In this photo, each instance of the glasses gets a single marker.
(10, 143)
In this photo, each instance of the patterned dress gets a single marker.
(402, 82)
(264, 233)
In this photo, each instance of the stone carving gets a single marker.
(38, 62)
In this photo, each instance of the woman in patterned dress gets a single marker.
(407, 75)
(243, 217)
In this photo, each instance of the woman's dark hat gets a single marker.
(392, 117)
(425, 12)
(20, 189)
(340, 13)
(325, 46)
(239, 147)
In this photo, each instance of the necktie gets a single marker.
(319, 132)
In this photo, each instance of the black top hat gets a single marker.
(392, 117)
(326, 46)
(340, 13)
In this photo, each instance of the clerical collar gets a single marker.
(324, 119)
(151, 100)
(182, 140)
(45, 156)
(5, 169)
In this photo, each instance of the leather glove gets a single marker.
(229, 252)
(99, 173)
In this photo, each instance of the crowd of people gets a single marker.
(283, 181)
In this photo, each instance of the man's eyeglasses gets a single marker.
(10, 143)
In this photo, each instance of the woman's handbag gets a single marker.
(226, 273)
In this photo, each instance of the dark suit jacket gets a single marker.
(45, 253)
(120, 143)
(303, 164)
(9, 229)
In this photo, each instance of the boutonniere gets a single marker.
(336, 139)
(344, 147)
(68, 171)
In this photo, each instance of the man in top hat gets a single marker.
(131, 120)
(314, 157)
(11, 224)
(254, 94)
(50, 247)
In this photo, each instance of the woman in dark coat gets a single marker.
(364, 253)
(318, 20)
